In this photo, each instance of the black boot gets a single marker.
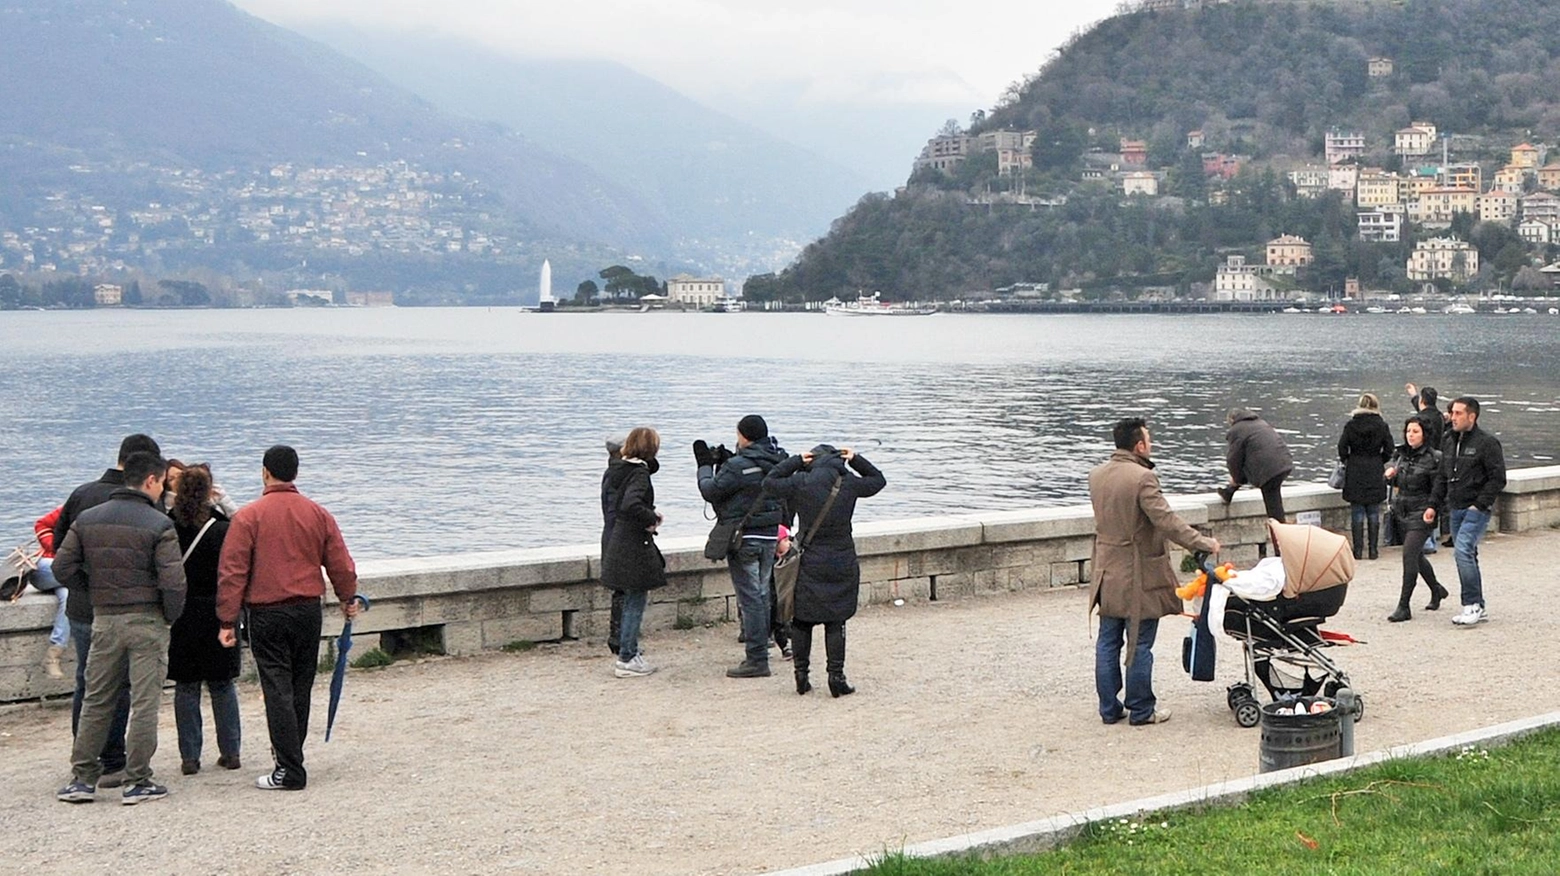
(1358, 528)
(801, 649)
(1402, 613)
(1437, 593)
(1373, 525)
(834, 647)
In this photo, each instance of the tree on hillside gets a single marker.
(10, 292)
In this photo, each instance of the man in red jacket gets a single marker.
(271, 563)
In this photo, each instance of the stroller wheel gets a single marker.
(1359, 708)
(1247, 713)
(1235, 693)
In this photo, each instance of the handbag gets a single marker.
(22, 563)
(1391, 524)
(1335, 480)
(789, 567)
(726, 538)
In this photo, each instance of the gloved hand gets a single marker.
(702, 454)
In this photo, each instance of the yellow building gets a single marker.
(1497, 206)
(1525, 156)
(1549, 177)
(1465, 176)
(695, 291)
(1377, 188)
(1438, 206)
(1510, 179)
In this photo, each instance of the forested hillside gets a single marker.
(1261, 81)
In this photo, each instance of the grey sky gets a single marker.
(831, 51)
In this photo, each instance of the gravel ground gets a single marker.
(969, 715)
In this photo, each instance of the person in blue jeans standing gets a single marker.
(1133, 583)
(1473, 472)
(736, 488)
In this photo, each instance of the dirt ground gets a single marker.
(969, 715)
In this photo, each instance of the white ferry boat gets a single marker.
(871, 306)
(1458, 308)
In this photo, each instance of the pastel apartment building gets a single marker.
(1510, 179)
(1381, 225)
(1376, 188)
(1237, 281)
(1549, 177)
(1288, 252)
(1340, 146)
(1498, 206)
(1438, 206)
(1526, 156)
(1443, 257)
(695, 291)
(1414, 140)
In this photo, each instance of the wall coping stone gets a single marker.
(1533, 480)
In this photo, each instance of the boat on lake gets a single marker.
(872, 305)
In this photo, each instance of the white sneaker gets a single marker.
(635, 668)
(1471, 614)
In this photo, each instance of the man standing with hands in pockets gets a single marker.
(271, 564)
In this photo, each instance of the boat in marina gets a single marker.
(1458, 308)
(872, 305)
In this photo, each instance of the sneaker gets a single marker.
(1471, 614)
(749, 669)
(77, 792)
(114, 779)
(276, 780)
(142, 791)
(635, 668)
(785, 651)
(1159, 717)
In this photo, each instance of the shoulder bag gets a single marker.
(788, 567)
(1335, 480)
(726, 538)
(198, 537)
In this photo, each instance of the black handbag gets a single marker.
(726, 538)
(789, 567)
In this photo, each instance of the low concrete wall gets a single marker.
(486, 600)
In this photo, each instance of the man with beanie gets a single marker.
(736, 489)
(271, 563)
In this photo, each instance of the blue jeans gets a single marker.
(112, 758)
(43, 580)
(1358, 514)
(1140, 677)
(1468, 525)
(224, 714)
(633, 614)
(752, 573)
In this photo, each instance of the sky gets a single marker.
(863, 83)
(868, 52)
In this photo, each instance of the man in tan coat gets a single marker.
(1134, 583)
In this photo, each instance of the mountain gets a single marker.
(168, 122)
(1263, 82)
(738, 198)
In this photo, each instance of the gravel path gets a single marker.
(969, 715)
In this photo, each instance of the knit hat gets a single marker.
(753, 428)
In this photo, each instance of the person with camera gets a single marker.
(734, 484)
(823, 485)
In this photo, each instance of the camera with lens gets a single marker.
(720, 454)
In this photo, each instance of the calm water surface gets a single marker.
(435, 431)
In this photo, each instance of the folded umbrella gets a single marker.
(339, 677)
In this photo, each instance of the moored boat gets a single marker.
(865, 305)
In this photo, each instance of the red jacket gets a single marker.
(44, 529)
(273, 554)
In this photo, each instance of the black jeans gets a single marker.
(1415, 564)
(1273, 497)
(285, 641)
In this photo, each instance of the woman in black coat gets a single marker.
(1365, 447)
(828, 584)
(631, 563)
(195, 657)
(1414, 471)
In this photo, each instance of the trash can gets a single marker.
(1290, 740)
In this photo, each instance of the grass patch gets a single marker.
(684, 622)
(373, 658)
(519, 646)
(1475, 812)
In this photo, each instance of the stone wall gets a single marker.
(483, 601)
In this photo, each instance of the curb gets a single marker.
(1048, 833)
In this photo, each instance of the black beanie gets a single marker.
(753, 428)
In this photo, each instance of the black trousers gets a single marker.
(285, 641)
(1273, 497)
(833, 645)
(1415, 564)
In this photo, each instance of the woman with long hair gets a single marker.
(631, 564)
(194, 654)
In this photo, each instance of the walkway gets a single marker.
(970, 715)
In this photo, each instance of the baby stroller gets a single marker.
(1279, 630)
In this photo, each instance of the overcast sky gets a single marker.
(832, 51)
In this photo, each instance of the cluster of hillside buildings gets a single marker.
(390, 207)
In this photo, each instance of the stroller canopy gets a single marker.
(1314, 559)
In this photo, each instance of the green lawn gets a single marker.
(1478, 811)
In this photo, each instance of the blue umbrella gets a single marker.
(337, 679)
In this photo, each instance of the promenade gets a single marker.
(971, 714)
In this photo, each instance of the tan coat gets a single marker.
(1133, 577)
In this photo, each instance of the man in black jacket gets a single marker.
(78, 608)
(736, 489)
(124, 555)
(1256, 455)
(1473, 472)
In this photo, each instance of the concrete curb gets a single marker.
(1048, 833)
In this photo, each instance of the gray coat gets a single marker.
(1256, 454)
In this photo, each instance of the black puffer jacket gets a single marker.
(1365, 447)
(632, 561)
(89, 495)
(736, 485)
(1255, 453)
(828, 584)
(1414, 475)
(124, 555)
(1473, 470)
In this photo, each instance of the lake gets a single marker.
(430, 431)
